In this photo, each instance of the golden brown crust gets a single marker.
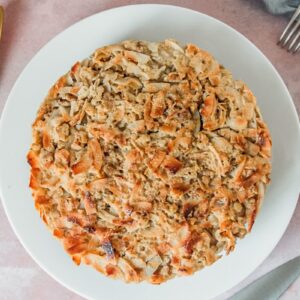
(149, 160)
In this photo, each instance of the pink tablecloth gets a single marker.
(29, 24)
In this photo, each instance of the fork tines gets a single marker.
(290, 37)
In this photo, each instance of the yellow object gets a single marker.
(1, 19)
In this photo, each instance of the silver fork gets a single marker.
(290, 37)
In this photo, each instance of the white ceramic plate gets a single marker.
(150, 22)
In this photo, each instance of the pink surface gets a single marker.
(30, 24)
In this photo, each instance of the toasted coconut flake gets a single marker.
(75, 244)
(58, 85)
(143, 206)
(89, 204)
(148, 160)
(178, 189)
(131, 275)
(156, 161)
(33, 159)
(158, 105)
(137, 57)
(209, 106)
(172, 164)
(83, 165)
(96, 152)
(238, 123)
(98, 184)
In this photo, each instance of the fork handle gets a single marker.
(272, 285)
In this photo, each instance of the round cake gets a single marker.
(149, 161)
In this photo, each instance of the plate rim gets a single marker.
(86, 19)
